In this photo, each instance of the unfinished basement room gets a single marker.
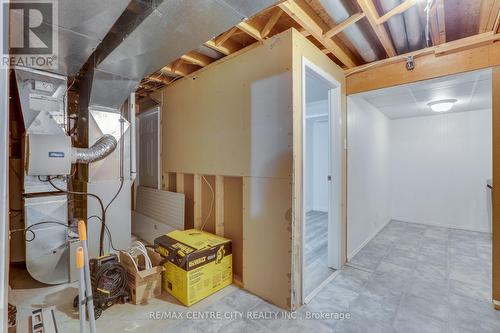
(250, 166)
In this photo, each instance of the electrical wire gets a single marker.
(211, 203)
(138, 249)
(103, 210)
(28, 229)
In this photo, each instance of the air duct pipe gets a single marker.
(414, 29)
(339, 12)
(100, 150)
(406, 30)
(396, 26)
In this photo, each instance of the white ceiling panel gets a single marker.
(471, 90)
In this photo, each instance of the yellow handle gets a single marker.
(82, 230)
(79, 257)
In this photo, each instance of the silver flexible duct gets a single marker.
(339, 12)
(100, 150)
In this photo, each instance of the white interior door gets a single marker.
(149, 154)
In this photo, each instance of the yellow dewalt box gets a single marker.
(199, 263)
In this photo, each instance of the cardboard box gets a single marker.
(144, 284)
(199, 264)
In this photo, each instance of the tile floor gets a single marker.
(316, 250)
(409, 278)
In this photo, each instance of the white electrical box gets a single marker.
(48, 155)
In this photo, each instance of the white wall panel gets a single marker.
(440, 165)
(368, 173)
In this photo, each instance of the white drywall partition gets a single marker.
(440, 165)
(368, 173)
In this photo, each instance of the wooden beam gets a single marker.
(497, 23)
(196, 58)
(427, 66)
(343, 25)
(197, 201)
(304, 15)
(488, 15)
(179, 182)
(227, 48)
(271, 22)
(441, 21)
(467, 43)
(225, 36)
(219, 205)
(158, 78)
(403, 7)
(383, 36)
(496, 191)
(250, 30)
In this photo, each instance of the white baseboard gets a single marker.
(449, 226)
(353, 253)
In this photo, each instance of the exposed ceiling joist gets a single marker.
(225, 36)
(271, 22)
(250, 29)
(197, 58)
(343, 25)
(488, 15)
(444, 49)
(441, 21)
(226, 48)
(303, 14)
(467, 43)
(403, 7)
(428, 66)
(383, 36)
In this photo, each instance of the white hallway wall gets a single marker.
(429, 170)
(440, 165)
(317, 157)
(368, 173)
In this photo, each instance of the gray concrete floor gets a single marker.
(409, 278)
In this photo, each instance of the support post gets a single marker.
(219, 205)
(496, 187)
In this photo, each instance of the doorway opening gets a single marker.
(321, 180)
(148, 148)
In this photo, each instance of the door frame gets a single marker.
(335, 171)
(148, 113)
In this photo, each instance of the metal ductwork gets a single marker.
(167, 30)
(100, 150)
(414, 29)
(406, 29)
(396, 26)
(79, 27)
(339, 11)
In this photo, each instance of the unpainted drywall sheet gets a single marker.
(210, 123)
(235, 119)
(303, 48)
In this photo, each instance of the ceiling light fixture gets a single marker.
(443, 105)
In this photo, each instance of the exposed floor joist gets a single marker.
(343, 25)
(392, 72)
(302, 13)
(397, 10)
(371, 14)
(489, 14)
(309, 17)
